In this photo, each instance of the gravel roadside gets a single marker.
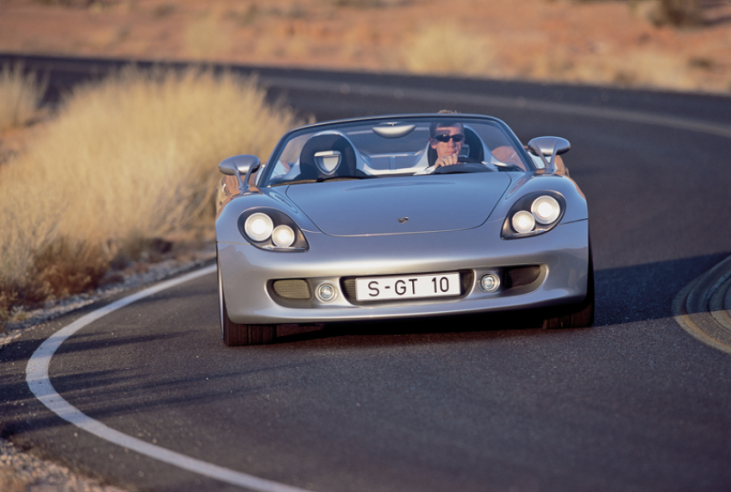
(24, 472)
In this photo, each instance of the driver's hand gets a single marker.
(447, 160)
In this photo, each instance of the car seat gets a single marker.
(326, 156)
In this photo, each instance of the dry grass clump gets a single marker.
(20, 96)
(643, 68)
(79, 4)
(675, 13)
(10, 482)
(367, 4)
(447, 49)
(8, 297)
(647, 68)
(207, 37)
(63, 267)
(130, 158)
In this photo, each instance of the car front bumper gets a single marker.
(562, 255)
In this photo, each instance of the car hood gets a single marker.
(400, 205)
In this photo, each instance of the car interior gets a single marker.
(369, 151)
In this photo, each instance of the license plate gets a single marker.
(407, 287)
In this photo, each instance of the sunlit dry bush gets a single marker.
(132, 157)
(641, 68)
(8, 296)
(10, 481)
(20, 95)
(208, 37)
(361, 4)
(63, 267)
(647, 68)
(447, 49)
(676, 13)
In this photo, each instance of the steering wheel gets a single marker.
(472, 166)
(468, 160)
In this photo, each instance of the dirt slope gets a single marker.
(603, 42)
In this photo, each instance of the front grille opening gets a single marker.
(294, 289)
(520, 276)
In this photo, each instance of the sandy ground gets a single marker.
(604, 42)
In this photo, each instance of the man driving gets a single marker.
(446, 138)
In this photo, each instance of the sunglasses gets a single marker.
(446, 138)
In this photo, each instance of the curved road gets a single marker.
(477, 403)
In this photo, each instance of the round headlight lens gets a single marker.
(259, 227)
(283, 236)
(523, 222)
(545, 209)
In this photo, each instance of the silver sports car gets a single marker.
(400, 216)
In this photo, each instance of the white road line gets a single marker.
(700, 309)
(40, 384)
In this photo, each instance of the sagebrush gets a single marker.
(20, 96)
(132, 157)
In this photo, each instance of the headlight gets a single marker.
(283, 236)
(270, 229)
(533, 214)
(259, 227)
(523, 222)
(545, 209)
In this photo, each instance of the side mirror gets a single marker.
(549, 147)
(238, 165)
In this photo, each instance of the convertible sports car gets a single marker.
(400, 216)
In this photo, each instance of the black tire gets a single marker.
(580, 315)
(235, 334)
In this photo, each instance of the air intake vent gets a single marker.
(292, 289)
(520, 276)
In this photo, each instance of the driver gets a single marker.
(446, 138)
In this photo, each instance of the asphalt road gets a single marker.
(477, 403)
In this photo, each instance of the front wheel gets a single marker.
(582, 314)
(235, 334)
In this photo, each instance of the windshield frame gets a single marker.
(264, 176)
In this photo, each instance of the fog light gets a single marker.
(490, 282)
(326, 292)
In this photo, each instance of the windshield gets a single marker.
(394, 146)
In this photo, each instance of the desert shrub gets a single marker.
(361, 4)
(78, 4)
(207, 37)
(447, 49)
(164, 10)
(64, 267)
(134, 156)
(20, 96)
(8, 297)
(676, 13)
